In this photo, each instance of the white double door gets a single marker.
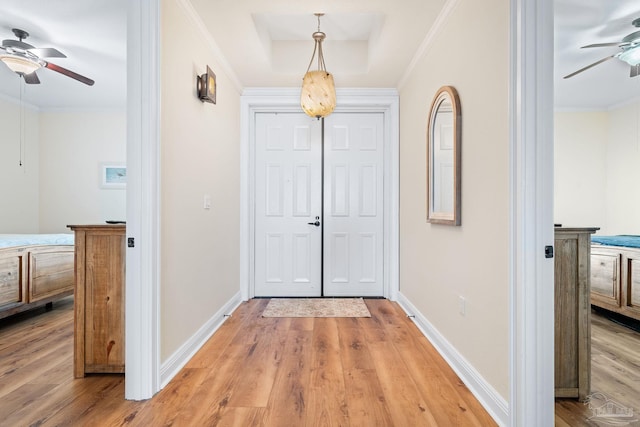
(319, 205)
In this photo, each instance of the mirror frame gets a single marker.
(445, 217)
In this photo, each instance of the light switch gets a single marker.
(207, 201)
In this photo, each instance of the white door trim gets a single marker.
(142, 306)
(288, 99)
(531, 305)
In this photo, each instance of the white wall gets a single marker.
(200, 155)
(596, 169)
(58, 182)
(441, 263)
(580, 178)
(18, 184)
(72, 146)
(622, 202)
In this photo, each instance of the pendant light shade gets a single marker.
(318, 96)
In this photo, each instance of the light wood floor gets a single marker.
(254, 371)
(615, 372)
(280, 372)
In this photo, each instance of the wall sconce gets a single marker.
(206, 86)
(318, 97)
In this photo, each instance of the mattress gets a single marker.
(12, 240)
(627, 241)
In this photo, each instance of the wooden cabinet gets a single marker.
(99, 299)
(572, 312)
(615, 285)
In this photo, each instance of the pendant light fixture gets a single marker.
(318, 97)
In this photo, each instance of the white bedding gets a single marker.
(12, 240)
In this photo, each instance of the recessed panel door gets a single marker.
(288, 205)
(353, 204)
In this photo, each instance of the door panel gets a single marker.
(288, 196)
(353, 204)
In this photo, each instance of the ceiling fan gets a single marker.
(629, 52)
(24, 59)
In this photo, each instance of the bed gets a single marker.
(35, 270)
(615, 286)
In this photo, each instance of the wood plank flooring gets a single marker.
(254, 371)
(615, 372)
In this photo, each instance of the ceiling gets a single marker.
(91, 33)
(583, 22)
(370, 43)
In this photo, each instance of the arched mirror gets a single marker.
(443, 158)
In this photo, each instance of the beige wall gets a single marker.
(200, 155)
(438, 264)
(596, 169)
(18, 184)
(72, 147)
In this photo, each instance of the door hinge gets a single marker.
(131, 242)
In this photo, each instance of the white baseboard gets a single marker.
(180, 357)
(492, 401)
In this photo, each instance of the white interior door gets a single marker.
(353, 204)
(288, 196)
(343, 254)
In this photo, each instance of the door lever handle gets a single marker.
(316, 223)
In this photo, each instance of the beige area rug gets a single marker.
(316, 307)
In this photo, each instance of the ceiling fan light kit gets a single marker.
(24, 59)
(318, 96)
(629, 52)
(631, 56)
(20, 65)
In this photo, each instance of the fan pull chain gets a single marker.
(21, 119)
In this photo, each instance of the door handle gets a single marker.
(316, 223)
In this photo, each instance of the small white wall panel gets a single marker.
(274, 138)
(301, 191)
(340, 140)
(368, 190)
(301, 138)
(302, 258)
(340, 257)
(340, 190)
(274, 190)
(275, 259)
(368, 140)
(367, 258)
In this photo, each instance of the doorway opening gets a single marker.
(336, 222)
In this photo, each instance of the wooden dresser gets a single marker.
(99, 299)
(572, 312)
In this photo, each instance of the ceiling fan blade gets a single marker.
(602, 44)
(69, 73)
(47, 52)
(31, 79)
(635, 70)
(589, 66)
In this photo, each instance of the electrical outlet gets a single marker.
(207, 201)
(461, 305)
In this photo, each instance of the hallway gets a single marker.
(377, 371)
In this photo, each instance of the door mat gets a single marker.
(316, 307)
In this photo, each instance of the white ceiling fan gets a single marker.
(629, 52)
(25, 59)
